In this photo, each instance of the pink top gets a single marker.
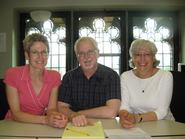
(30, 102)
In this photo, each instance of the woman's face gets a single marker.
(38, 55)
(143, 60)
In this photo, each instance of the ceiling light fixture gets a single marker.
(40, 15)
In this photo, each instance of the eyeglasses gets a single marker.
(37, 54)
(89, 53)
(142, 55)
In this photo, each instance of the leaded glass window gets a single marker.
(113, 30)
(106, 31)
(55, 31)
(159, 30)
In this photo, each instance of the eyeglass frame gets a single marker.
(89, 53)
(37, 54)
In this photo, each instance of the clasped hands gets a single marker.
(59, 120)
(56, 119)
(127, 120)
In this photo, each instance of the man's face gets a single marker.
(87, 56)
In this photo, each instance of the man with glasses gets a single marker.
(90, 90)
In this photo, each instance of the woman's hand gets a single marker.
(127, 120)
(57, 120)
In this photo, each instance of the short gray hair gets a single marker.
(142, 43)
(86, 39)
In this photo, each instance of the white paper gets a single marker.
(133, 133)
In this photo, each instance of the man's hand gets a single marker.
(78, 119)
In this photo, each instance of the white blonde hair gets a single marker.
(142, 43)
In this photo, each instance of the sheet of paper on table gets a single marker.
(94, 131)
(133, 133)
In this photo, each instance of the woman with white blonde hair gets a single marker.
(146, 90)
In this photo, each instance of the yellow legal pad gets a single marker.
(94, 131)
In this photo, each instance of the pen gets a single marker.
(78, 131)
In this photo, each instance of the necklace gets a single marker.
(145, 80)
(144, 83)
